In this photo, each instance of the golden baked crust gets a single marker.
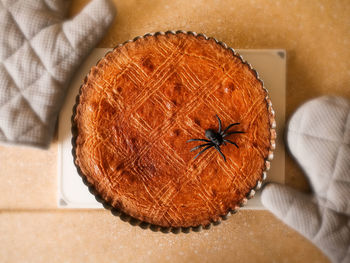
(141, 103)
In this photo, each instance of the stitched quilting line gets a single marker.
(65, 35)
(3, 135)
(347, 253)
(337, 157)
(47, 5)
(327, 201)
(56, 11)
(29, 106)
(12, 3)
(30, 128)
(20, 30)
(320, 215)
(19, 93)
(345, 222)
(30, 45)
(343, 181)
(318, 137)
(63, 59)
(34, 51)
(73, 50)
(9, 74)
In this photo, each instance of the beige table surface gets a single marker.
(316, 35)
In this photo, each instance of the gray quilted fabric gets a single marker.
(39, 51)
(319, 139)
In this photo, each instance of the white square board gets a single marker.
(73, 193)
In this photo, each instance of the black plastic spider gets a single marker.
(215, 139)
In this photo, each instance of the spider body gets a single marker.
(215, 139)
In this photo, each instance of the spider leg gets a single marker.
(228, 127)
(233, 132)
(218, 149)
(235, 144)
(201, 140)
(199, 146)
(219, 123)
(206, 148)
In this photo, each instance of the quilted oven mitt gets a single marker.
(39, 50)
(318, 137)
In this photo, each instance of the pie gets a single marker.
(136, 111)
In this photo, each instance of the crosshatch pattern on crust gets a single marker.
(154, 143)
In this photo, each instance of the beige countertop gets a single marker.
(316, 35)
